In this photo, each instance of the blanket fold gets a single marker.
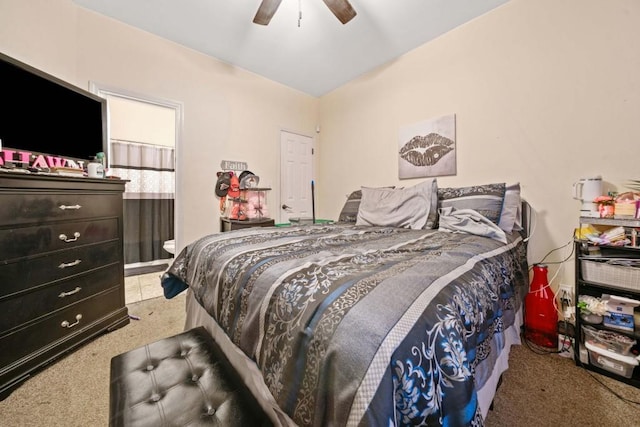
(469, 221)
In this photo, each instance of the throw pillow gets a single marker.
(404, 208)
(486, 199)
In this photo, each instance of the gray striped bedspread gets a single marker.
(362, 326)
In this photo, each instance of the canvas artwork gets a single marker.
(428, 148)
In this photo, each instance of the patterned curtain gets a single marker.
(148, 198)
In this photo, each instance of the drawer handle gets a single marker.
(66, 294)
(66, 324)
(70, 264)
(70, 207)
(64, 237)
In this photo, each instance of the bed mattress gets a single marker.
(346, 325)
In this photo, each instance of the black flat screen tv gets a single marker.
(42, 114)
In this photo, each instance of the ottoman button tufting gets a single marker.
(168, 403)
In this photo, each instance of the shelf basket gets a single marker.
(610, 274)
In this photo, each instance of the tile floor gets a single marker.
(142, 287)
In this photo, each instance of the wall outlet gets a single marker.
(566, 300)
(565, 292)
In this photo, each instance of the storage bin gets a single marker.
(610, 361)
(613, 341)
(610, 274)
(254, 203)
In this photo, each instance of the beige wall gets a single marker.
(544, 92)
(136, 121)
(229, 113)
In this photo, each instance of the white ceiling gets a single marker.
(315, 58)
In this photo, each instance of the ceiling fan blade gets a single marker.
(266, 11)
(341, 9)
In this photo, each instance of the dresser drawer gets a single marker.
(59, 325)
(20, 276)
(33, 305)
(24, 241)
(40, 207)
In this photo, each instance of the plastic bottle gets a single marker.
(541, 317)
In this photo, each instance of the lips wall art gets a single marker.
(428, 148)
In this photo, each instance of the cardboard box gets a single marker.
(566, 344)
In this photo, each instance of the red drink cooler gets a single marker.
(540, 314)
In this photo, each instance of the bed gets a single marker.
(376, 320)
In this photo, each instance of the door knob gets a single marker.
(286, 208)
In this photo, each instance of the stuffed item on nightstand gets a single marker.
(256, 206)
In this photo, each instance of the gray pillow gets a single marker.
(510, 216)
(404, 208)
(349, 212)
(485, 199)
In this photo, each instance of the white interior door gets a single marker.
(296, 174)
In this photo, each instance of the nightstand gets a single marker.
(227, 224)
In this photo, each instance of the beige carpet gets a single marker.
(549, 390)
(75, 390)
(537, 390)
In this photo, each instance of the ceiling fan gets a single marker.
(340, 8)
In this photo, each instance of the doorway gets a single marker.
(144, 136)
(296, 176)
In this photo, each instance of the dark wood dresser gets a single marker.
(61, 268)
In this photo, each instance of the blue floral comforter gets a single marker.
(364, 326)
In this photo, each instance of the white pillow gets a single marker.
(510, 217)
(403, 208)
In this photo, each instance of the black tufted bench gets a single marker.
(183, 380)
